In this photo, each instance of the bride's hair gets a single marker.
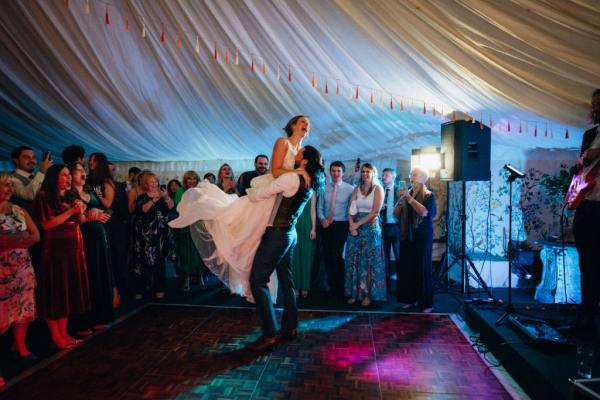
(314, 168)
(288, 126)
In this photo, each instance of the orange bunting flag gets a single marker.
(453, 116)
(289, 73)
(467, 117)
(264, 68)
(313, 83)
(216, 54)
(178, 39)
(162, 35)
(337, 88)
(391, 103)
(143, 29)
(424, 108)
(252, 65)
(567, 134)
(67, 3)
(401, 105)
(126, 23)
(326, 88)
(106, 18)
(480, 124)
(356, 95)
(226, 55)
(371, 97)
(491, 124)
(508, 126)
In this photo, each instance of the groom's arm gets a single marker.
(287, 184)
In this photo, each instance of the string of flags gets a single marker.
(395, 101)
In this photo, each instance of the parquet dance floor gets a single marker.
(195, 352)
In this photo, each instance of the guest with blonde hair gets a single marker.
(17, 280)
(416, 211)
(226, 180)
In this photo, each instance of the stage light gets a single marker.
(428, 158)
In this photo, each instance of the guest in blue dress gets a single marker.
(365, 262)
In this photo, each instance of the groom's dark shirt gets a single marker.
(292, 196)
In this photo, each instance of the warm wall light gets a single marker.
(428, 158)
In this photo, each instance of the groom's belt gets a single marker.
(281, 229)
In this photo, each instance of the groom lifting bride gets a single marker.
(277, 244)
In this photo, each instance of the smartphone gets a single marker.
(46, 155)
(402, 185)
(163, 187)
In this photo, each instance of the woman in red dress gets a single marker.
(63, 280)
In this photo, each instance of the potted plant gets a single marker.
(556, 187)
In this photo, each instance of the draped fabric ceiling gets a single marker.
(67, 77)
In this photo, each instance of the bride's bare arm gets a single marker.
(279, 152)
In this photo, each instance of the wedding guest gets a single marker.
(365, 264)
(416, 213)
(134, 191)
(226, 180)
(17, 279)
(101, 180)
(104, 295)
(72, 154)
(389, 223)
(173, 186)
(261, 165)
(304, 255)
(63, 279)
(209, 176)
(27, 182)
(332, 211)
(150, 244)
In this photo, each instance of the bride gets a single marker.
(227, 229)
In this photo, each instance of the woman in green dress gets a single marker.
(190, 264)
(304, 254)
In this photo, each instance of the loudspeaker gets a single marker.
(465, 152)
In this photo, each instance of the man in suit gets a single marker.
(390, 223)
(586, 229)
(27, 182)
(276, 247)
(332, 211)
(261, 165)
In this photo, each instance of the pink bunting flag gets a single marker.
(356, 95)
(162, 34)
(252, 65)
(106, 18)
(391, 103)
(424, 108)
(216, 53)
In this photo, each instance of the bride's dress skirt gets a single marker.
(227, 230)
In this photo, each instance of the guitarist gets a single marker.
(586, 229)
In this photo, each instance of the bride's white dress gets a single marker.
(227, 229)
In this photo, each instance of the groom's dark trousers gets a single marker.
(275, 253)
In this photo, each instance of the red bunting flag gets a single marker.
(178, 39)
(226, 55)
(252, 65)
(162, 34)
(67, 3)
(567, 134)
(289, 73)
(126, 23)
(326, 88)
(356, 96)
(371, 96)
(313, 83)
(453, 116)
(106, 18)
(337, 88)
(424, 108)
(491, 125)
(467, 117)
(216, 54)
(264, 68)
(391, 103)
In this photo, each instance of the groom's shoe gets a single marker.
(287, 334)
(263, 343)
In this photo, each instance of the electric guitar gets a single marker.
(581, 183)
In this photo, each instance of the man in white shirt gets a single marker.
(276, 247)
(332, 211)
(26, 182)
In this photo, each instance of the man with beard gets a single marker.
(261, 165)
(27, 183)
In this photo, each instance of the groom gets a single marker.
(277, 245)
